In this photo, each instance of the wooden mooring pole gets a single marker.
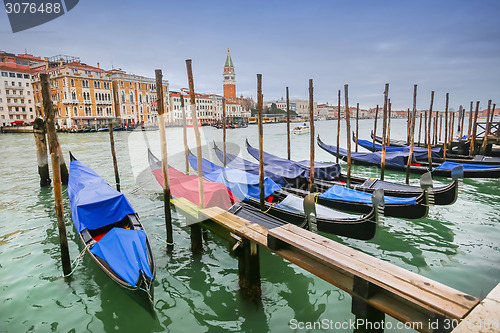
(440, 126)
(429, 140)
(338, 129)
(384, 132)
(184, 134)
(348, 132)
(388, 142)
(408, 125)
(41, 151)
(113, 155)
(288, 123)
(311, 142)
(469, 131)
(260, 108)
(486, 130)
(445, 145)
(425, 128)
(224, 131)
(54, 149)
(412, 134)
(164, 160)
(196, 232)
(357, 125)
(462, 121)
(420, 129)
(472, 149)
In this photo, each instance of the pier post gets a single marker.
(412, 134)
(113, 154)
(54, 148)
(452, 128)
(288, 123)
(338, 129)
(429, 138)
(163, 144)
(249, 270)
(311, 142)
(371, 318)
(196, 229)
(462, 122)
(184, 134)
(425, 128)
(348, 131)
(375, 127)
(41, 151)
(261, 142)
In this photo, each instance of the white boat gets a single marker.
(301, 129)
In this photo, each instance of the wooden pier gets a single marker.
(377, 287)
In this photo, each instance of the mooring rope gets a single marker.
(78, 260)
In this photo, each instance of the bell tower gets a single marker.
(229, 78)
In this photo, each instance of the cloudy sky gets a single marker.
(446, 46)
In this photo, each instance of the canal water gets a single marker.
(457, 245)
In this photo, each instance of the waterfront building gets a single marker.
(82, 94)
(17, 103)
(205, 106)
(135, 99)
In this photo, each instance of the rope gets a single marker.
(269, 208)
(78, 260)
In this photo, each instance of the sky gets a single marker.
(444, 46)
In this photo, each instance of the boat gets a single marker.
(300, 129)
(216, 194)
(111, 232)
(397, 161)
(443, 195)
(322, 171)
(186, 186)
(287, 206)
(335, 195)
(421, 153)
(402, 143)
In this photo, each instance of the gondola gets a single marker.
(397, 161)
(421, 153)
(286, 206)
(112, 233)
(336, 195)
(443, 195)
(216, 194)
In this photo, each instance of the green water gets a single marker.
(457, 245)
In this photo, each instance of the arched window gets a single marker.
(72, 82)
(123, 97)
(131, 97)
(73, 95)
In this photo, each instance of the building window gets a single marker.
(123, 97)
(12, 74)
(19, 76)
(26, 76)
(5, 74)
(131, 97)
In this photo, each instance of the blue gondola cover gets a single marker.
(242, 184)
(125, 251)
(451, 165)
(94, 203)
(345, 194)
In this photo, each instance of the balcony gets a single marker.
(70, 101)
(87, 101)
(16, 104)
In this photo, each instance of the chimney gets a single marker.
(46, 63)
(98, 65)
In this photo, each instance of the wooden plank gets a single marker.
(237, 225)
(408, 285)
